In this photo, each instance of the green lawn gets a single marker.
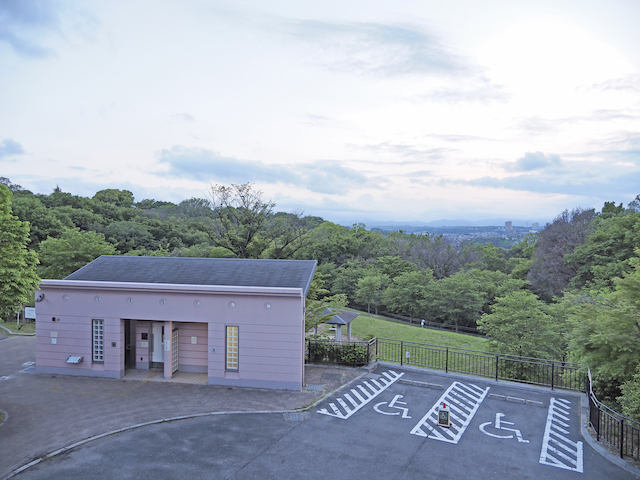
(367, 326)
(11, 325)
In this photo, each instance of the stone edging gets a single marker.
(16, 333)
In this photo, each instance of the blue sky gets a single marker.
(349, 110)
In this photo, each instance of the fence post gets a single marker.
(552, 376)
(598, 429)
(401, 351)
(497, 367)
(622, 438)
(446, 362)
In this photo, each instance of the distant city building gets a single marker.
(535, 226)
(508, 226)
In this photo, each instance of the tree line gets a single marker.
(570, 292)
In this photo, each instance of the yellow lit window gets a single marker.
(97, 333)
(232, 348)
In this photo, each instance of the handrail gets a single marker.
(481, 352)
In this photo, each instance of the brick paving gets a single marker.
(48, 412)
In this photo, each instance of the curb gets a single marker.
(597, 446)
(173, 419)
(130, 427)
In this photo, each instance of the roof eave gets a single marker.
(172, 288)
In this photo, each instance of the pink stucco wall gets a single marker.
(193, 357)
(270, 323)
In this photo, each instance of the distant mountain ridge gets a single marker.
(412, 225)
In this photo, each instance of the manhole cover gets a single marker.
(315, 387)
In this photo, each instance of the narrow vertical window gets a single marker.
(232, 348)
(97, 332)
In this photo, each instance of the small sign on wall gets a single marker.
(194, 340)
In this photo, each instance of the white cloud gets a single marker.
(320, 176)
(9, 148)
(534, 161)
(349, 110)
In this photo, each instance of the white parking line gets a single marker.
(463, 400)
(558, 450)
(363, 394)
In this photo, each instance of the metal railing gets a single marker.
(621, 433)
(535, 371)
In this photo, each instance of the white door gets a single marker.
(157, 335)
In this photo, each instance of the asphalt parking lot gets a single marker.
(384, 425)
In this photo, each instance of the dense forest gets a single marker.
(570, 292)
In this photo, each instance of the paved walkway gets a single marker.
(48, 412)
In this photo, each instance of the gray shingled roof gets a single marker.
(199, 271)
(342, 317)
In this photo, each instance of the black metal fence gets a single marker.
(621, 433)
(548, 373)
(536, 371)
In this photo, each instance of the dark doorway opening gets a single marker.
(129, 344)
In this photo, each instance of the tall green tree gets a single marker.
(319, 301)
(608, 249)
(440, 255)
(493, 258)
(240, 214)
(407, 293)
(630, 399)
(370, 289)
(42, 222)
(346, 277)
(62, 256)
(606, 333)
(550, 273)
(455, 300)
(521, 324)
(392, 266)
(287, 234)
(18, 278)
(128, 236)
(119, 198)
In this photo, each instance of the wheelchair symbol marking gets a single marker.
(393, 404)
(499, 426)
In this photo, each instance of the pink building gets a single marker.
(240, 321)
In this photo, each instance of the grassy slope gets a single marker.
(376, 326)
(11, 325)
